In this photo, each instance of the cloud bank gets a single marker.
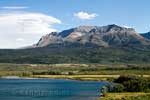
(22, 29)
(85, 16)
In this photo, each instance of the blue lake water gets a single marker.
(49, 89)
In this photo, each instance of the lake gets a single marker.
(49, 89)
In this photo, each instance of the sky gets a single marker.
(24, 22)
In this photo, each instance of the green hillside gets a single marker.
(49, 55)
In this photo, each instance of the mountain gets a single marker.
(104, 36)
(84, 44)
(146, 35)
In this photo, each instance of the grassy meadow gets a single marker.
(74, 71)
(126, 96)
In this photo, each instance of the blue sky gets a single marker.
(66, 14)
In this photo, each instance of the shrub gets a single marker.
(70, 73)
(116, 88)
(104, 91)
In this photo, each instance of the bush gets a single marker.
(47, 73)
(26, 74)
(104, 91)
(116, 88)
(70, 73)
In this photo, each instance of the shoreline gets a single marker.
(70, 77)
(66, 77)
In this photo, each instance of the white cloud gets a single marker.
(20, 39)
(85, 16)
(14, 7)
(29, 26)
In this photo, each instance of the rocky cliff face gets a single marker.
(111, 35)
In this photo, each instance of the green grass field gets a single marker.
(74, 71)
(126, 96)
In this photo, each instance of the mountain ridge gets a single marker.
(105, 36)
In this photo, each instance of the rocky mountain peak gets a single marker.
(110, 35)
(85, 29)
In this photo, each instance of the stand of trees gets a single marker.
(130, 84)
(75, 55)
